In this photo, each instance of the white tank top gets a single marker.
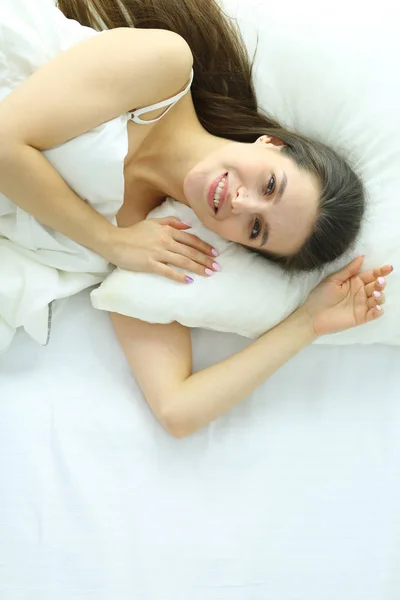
(136, 114)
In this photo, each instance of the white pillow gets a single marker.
(331, 73)
(241, 298)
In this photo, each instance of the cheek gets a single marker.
(229, 229)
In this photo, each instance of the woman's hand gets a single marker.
(151, 246)
(347, 299)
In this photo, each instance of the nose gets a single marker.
(245, 201)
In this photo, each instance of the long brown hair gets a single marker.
(226, 105)
(222, 86)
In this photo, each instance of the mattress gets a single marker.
(293, 495)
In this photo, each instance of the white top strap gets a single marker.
(135, 115)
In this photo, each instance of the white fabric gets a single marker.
(92, 164)
(329, 73)
(294, 495)
(135, 115)
(38, 265)
(249, 295)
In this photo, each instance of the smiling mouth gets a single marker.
(218, 193)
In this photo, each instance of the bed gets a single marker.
(294, 495)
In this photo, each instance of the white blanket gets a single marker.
(38, 265)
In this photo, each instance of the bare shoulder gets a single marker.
(166, 53)
(169, 44)
(93, 82)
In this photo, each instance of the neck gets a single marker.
(171, 150)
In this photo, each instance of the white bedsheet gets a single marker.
(292, 496)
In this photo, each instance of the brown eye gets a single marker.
(255, 232)
(271, 186)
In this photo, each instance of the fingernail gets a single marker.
(209, 272)
(378, 307)
(188, 224)
(381, 281)
(216, 267)
(214, 252)
(392, 267)
(189, 280)
(377, 294)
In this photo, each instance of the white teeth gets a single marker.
(218, 192)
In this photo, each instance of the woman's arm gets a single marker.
(161, 355)
(92, 83)
(161, 359)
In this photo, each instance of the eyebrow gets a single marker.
(278, 197)
(282, 188)
(265, 235)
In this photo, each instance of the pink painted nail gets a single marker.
(209, 272)
(216, 267)
(377, 294)
(214, 253)
(378, 307)
(381, 281)
(189, 280)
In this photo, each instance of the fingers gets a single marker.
(176, 248)
(373, 314)
(182, 262)
(382, 271)
(373, 274)
(373, 302)
(173, 222)
(192, 265)
(194, 258)
(374, 289)
(178, 234)
(170, 273)
(375, 296)
(165, 267)
(194, 242)
(349, 270)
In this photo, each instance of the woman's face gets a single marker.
(254, 195)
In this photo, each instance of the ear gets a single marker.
(272, 142)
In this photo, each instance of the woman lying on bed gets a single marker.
(246, 178)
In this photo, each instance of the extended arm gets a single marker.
(161, 355)
(161, 359)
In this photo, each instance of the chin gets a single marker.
(210, 223)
